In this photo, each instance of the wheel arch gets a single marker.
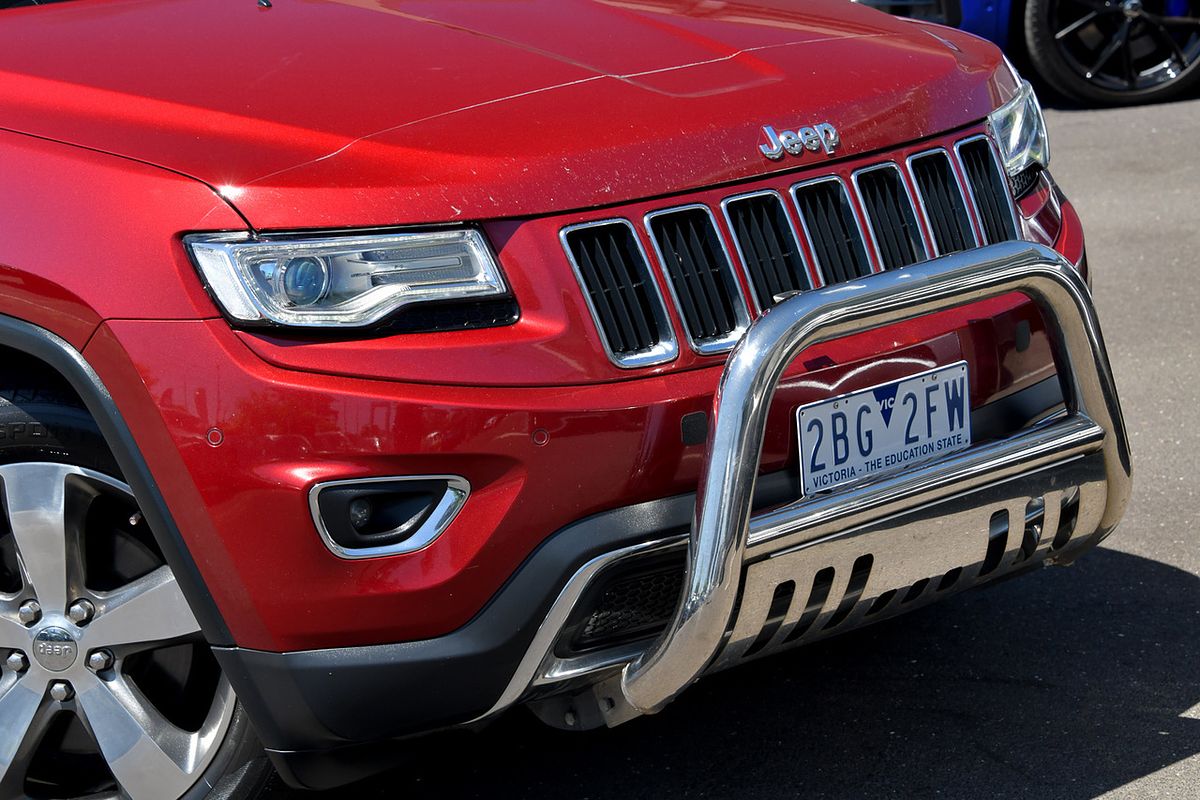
(68, 364)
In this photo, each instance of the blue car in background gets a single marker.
(1109, 52)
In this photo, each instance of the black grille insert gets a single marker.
(700, 276)
(627, 602)
(832, 230)
(943, 200)
(989, 190)
(767, 246)
(891, 215)
(957, 195)
(619, 288)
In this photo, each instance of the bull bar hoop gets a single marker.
(724, 532)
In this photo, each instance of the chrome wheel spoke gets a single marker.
(13, 635)
(47, 550)
(74, 642)
(149, 611)
(24, 716)
(1076, 25)
(149, 757)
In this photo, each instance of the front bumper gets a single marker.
(242, 504)
(762, 574)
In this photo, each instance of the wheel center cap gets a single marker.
(55, 649)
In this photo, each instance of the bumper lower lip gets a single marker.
(726, 540)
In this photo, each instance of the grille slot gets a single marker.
(832, 230)
(767, 245)
(700, 276)
(942, 199)
(890, 215)
(621, 293)
(989, 191)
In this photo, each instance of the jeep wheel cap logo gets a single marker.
(821, 136)
(54, 649)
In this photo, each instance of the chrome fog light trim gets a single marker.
(416, 537)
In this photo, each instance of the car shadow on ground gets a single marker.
(1064, 683)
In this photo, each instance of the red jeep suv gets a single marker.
(371, 367)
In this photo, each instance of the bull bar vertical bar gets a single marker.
(721, 525)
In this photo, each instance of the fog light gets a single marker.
(385, 516)
(360, 512)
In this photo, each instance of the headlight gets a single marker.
(1020, 132)
(343, 281)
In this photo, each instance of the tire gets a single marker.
(1154, 56)
(74, 731)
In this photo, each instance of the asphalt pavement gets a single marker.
(1069, 683)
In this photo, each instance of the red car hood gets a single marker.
(380, 112)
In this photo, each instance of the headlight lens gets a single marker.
(344, 281)
(1020, 132)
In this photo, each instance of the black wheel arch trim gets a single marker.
(68, 362)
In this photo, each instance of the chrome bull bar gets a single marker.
(714, 624)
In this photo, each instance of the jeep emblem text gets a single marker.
(55, 649)
(813, 137)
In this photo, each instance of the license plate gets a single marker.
(884, 429)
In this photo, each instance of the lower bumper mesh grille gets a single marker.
(625, 604)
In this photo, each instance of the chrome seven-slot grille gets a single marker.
(700, 273)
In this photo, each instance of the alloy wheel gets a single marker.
(1127, 45)
(107, 688)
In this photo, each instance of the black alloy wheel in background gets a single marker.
(1115, 52)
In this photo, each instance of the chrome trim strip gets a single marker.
(741, 313)
(912, 206)
(720, 531)
(666, 350)
(737, 244)
(447, 508)
(999, 167)
(794, 190)
(540, 649)
(908, 163)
